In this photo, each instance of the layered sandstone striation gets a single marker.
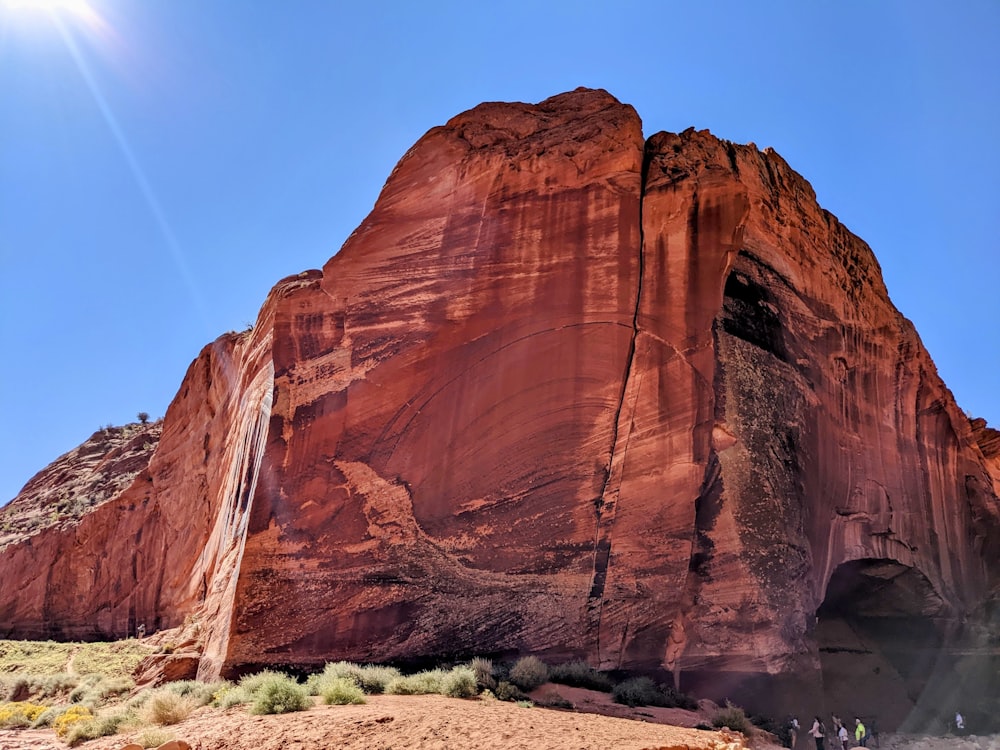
(566, 391)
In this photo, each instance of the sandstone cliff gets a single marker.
(566, 391)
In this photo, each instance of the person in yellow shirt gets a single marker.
(860, 733)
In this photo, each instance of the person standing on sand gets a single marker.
(818, 731)
(860, 733)
(844, 737)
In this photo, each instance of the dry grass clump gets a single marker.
(529, 672)
(485, 674)
(163, 707)
(202, 693)
(21, 686)
(154, 737)
(98, 726)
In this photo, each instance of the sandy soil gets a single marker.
(424, 722)
(433, 722)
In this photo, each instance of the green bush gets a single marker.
(253, 682)
(421, 683)
(508, 692)
(340, 691)
(638, 691)
(580, 674)
(460, 682)
(371, 678)
(279, 695)
(529, 672)
(732, 717)
(228, 697)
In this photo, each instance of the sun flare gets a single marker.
(75, 10)
(74, 6)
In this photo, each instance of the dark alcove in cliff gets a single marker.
(879, 635)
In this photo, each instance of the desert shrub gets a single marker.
(580, 674)
(483, 669)
(421, 683)
(98, 726)
(637, 691)
(371, 678)
(675, 699)
(253, 682)
(112, 686)
(51, 685)
(507, 691)
(69, 718)
(15, 688)
(460, 682)
(165, 707)
(231, 696)
(554, 700)
(19, 715)
(278, 694)
(20, 687)
(529, 672)
(733, 718)
(46, 717)
(525, 704)
(153, 737)
(340, 691)
(202, 693)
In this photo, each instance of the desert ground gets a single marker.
(434, 722)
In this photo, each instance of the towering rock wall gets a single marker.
(569, 392)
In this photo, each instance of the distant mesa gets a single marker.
(567, 391)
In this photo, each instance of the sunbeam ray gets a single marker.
(135, 168)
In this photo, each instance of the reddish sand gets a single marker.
(422, 722)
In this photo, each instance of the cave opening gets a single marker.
(880, 631)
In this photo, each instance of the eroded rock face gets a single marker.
(565, 391)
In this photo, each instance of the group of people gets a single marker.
(842, 738)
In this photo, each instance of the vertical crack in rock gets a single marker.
(607, 508)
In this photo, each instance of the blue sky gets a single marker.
(164, 162)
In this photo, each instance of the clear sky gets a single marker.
(164, 162)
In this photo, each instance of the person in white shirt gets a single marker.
(818, 731)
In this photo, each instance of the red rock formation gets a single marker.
(565, 392)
